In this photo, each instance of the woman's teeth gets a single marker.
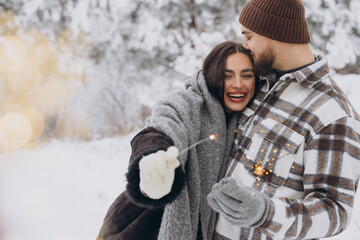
(236, 95)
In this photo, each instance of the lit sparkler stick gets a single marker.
(357, 224)
(211, 138)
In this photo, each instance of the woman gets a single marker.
(158, 176)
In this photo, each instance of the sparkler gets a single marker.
(210, 138)
(357, 224)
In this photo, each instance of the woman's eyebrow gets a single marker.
(242, 71)
(247, 70)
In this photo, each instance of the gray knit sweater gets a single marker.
(187, 116)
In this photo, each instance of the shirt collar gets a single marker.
(307, 76)
(279, 74)
(267, 82)
(310, 75)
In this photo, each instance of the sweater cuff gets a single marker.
(133, 181)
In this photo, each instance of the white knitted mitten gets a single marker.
(157, 172)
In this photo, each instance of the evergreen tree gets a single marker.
(136, 49)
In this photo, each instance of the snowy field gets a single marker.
(61, 190)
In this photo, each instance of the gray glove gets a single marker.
(240, 205)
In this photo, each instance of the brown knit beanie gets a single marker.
(281, 20)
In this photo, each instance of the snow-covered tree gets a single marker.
(126, 52)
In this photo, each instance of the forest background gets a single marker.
(105, 60)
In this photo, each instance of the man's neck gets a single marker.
(291, 56)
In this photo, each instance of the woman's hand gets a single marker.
(157, 172)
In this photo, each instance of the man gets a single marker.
(296, 157)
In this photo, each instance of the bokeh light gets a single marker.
(23, 80)
(37, 121)
(39, 76)
(43, 53)
(3, 142)
(13, 53)
(50, 98)
(17, 130)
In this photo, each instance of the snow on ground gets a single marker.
(61, 190)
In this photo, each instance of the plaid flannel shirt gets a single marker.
(299, 143)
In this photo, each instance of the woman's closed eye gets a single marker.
(227, 77)
(248, 76)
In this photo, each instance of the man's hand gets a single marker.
(240, 205)
(157, 172)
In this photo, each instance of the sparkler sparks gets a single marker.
(259, 170)
(211, 138)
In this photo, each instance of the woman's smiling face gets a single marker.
(239, 82)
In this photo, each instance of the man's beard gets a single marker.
(264, 62)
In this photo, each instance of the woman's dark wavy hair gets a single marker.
(214, 67)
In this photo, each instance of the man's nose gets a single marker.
(245, 45)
